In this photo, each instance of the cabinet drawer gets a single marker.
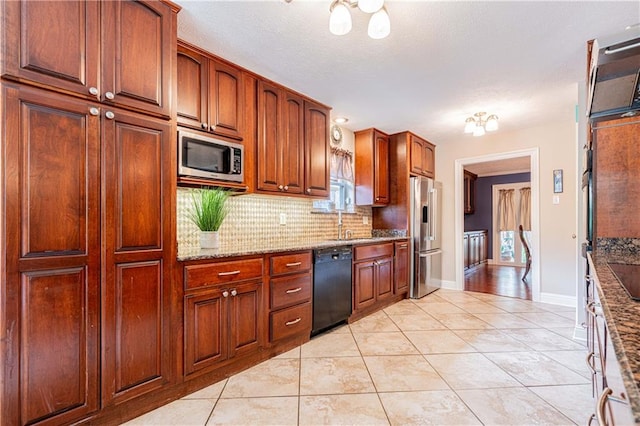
(291, 321)
(223, 272)
(369, 252)
(288, 263)
(287, 291)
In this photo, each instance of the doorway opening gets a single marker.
(496, 275)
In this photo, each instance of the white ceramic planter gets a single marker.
(209, 239)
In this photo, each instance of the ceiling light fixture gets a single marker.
(340, 120)
(478, 125)
(340, 18)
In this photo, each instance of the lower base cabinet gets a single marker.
(401, 267)
(475, 246)
(372, 275)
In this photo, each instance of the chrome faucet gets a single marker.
(348, 234)
(339, 224)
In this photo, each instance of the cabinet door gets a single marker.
(293, 146)
(364, 285)
(137, 55)
(50, 285)
(381, 170)
(225, 100)
(205, 329)
(53, 43)
(384, 277)
(317, 166)
(482, 247)
(269, 136)
(416, 155)
(246, 318)
(192, 91)
(401, 267)
(428, 160)
(465, 250)
(137, 191)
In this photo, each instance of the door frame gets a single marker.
(533, 154)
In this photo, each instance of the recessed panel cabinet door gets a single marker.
(364, 284)
(56, 43)
(269, 136)
(384, 277)
(381, 171)
(401, 267)
(225, 100)
(192, 89)
(137, 54)
(49, 344)
(317, 168)
(293, 149)
(136, 237)
(246, 318)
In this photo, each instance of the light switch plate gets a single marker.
(365, 220)
(283, 218)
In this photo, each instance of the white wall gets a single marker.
(558, 223)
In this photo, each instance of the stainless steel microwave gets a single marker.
(205, 157)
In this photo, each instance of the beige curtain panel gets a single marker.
(342, 164)
(525, 208)
(506, 212)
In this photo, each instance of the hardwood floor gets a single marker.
(499, 280)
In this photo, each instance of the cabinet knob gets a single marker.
(225, 293)
(234, 292)
(109, 95)
(94, 111)
(280, 187)
(205, 126)
(93, 91)
(308, 190)
(110, 115)
(212, 128)
(286, 187)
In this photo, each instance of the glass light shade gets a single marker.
(478, 130)
(492, 123)
(340, 20)
(470, 125)
(379, 25)
(370, 6)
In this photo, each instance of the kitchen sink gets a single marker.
(629, 277)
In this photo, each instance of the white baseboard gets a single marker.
(558, 299)
(490, 262)
(450, 285)
(580, 333)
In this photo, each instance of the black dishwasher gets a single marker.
(331, 287)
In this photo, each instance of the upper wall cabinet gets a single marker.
(422, 154)
(117, 52)
(293, 143)
(210, 95)
(372, 168)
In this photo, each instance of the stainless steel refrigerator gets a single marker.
(425, 231)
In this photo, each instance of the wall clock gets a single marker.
(336, 135)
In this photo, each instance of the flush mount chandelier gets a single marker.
(478, 125)
(340, 18)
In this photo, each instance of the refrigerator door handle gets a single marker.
(433, 210)
(429, 253)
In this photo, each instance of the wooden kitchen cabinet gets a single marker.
(475, 246)
(372, 168)
(401, 267)
(469, 192)
(51, 268)
(290, 293)
(373, 275)
(422, 157)
(95, 62)
(293, 143)
(225, 320)
(136, 286)
(210, 93)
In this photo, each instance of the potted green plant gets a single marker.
(208, 210)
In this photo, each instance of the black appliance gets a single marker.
(587, 197)
(332, 287)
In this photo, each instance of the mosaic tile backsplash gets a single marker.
(256, 218)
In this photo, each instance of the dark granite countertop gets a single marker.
(197, 253)
(623, 319)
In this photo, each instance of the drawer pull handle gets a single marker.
(403, 245)
(224, 274)
(290, 265)
(602, 404)
(293, 290)
(295, 321)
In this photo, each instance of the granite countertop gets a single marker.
(623, 320)
(197, 253)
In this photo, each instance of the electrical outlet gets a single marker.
(365, 220)
(283, 218)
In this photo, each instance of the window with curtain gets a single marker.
(525, 219)
(342, 184)
(506, 225)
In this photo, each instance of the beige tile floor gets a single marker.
(451, 358)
